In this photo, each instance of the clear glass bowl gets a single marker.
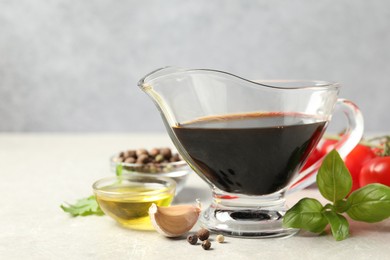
(177, 171)
(127, 198)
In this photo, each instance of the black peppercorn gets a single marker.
(206, 244)
(166, 152)
(192, 239)
(130, 160)
(154, 152)
(155, 160)
(175, 158)
(142, 159)
(130, 153)
(203, 234)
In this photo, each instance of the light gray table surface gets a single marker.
(41, 171)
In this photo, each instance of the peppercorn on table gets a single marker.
(39, 172)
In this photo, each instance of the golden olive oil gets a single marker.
(132, 210)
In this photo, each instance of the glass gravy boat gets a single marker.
(248, 140)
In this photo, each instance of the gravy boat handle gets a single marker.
(344, 146)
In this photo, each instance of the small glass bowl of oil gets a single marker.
(127, 198)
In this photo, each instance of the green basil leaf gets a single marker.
(333, 179)
(341, 206)
(83, 207)
(338, 224)
(118, 170)
(306, 214)
(370, 203)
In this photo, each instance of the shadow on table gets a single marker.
(190, 194)
(359, 228)
(356, 229)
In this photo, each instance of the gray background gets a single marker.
(73, 65)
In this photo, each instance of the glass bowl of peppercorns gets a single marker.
(159, 162)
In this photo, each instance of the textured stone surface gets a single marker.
(39, 172)
(74, 65)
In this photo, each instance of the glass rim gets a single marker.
(169, 185)
(143, 83)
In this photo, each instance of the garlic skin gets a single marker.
(174, 221)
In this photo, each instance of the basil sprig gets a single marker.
(83, 207)
(370, 203)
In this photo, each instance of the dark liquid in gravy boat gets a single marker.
(252, 154)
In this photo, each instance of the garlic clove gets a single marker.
(173, 221)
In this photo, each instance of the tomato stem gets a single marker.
(385, 144)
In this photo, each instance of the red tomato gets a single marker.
(322, 149)
(376, 170)
(355, 160)
(359, 156)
